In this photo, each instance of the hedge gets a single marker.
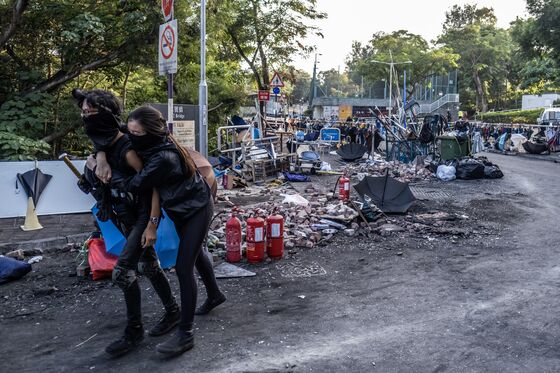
(517, 116)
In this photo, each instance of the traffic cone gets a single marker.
(31, 221)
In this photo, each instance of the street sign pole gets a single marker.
(203, 87)
(276, 82)
(170, 103)
(168, 15)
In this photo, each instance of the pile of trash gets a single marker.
(308, 220)
(405, 172)
(469, 168)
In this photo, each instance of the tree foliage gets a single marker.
(403, 46)
(266, 34)
(484, 50)
(49, 47)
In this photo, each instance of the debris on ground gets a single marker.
(404, 172)
(35, 259)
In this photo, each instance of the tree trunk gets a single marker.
(481, 103)
(264, 63)
(19, 8)
(63, 76)
(57, 135)
(125, 83)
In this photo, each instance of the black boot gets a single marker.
(133, 335)
(182, 341)
(166, 323)
(209, 304)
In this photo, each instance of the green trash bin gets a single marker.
(451, 148)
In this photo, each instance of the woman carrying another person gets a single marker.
(187, 199)
(133, 213)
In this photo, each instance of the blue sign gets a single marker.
(330, 135)
(276, 90)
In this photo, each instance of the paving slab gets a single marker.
(58, 230)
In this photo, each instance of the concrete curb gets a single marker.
(45, 244)
(551, 159)
(535, 157)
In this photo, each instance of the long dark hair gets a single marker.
(153, 122)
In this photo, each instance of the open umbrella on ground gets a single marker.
(351, 152)
(388, 194)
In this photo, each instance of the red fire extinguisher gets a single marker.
(344, 188)
(275, 236)
(233, 238)
(255, 239)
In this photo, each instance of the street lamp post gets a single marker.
(391, 67)
(313, 90)
(203, 87)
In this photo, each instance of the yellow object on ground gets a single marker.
(31, 220)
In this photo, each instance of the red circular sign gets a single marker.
(167, 42)
(167, 8)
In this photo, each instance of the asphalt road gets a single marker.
(410, 303)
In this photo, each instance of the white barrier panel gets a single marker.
(61, 195)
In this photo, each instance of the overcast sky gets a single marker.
(350, 20)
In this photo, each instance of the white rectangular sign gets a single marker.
(167, 48)
(183, 131)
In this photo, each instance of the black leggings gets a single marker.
(192, 233)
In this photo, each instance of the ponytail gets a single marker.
(190, 167)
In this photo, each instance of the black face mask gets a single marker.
(145, 142)
(101, 128)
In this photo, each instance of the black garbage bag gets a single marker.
(493, 172)
(470, 169)
(534, 148)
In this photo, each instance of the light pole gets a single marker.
(313, 91)
(203, 87)
(391, 67)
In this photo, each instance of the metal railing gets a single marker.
(448, 98)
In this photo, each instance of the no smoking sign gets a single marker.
(168, 48)
(167, 42)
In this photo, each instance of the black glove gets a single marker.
(104, 203)
(84, 185)
(105, 211)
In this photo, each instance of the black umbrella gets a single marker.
(388, 194)
(34, 182)
(351, 152)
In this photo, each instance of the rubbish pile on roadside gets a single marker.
(468, 168)
(308, 220)
(404, 172)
